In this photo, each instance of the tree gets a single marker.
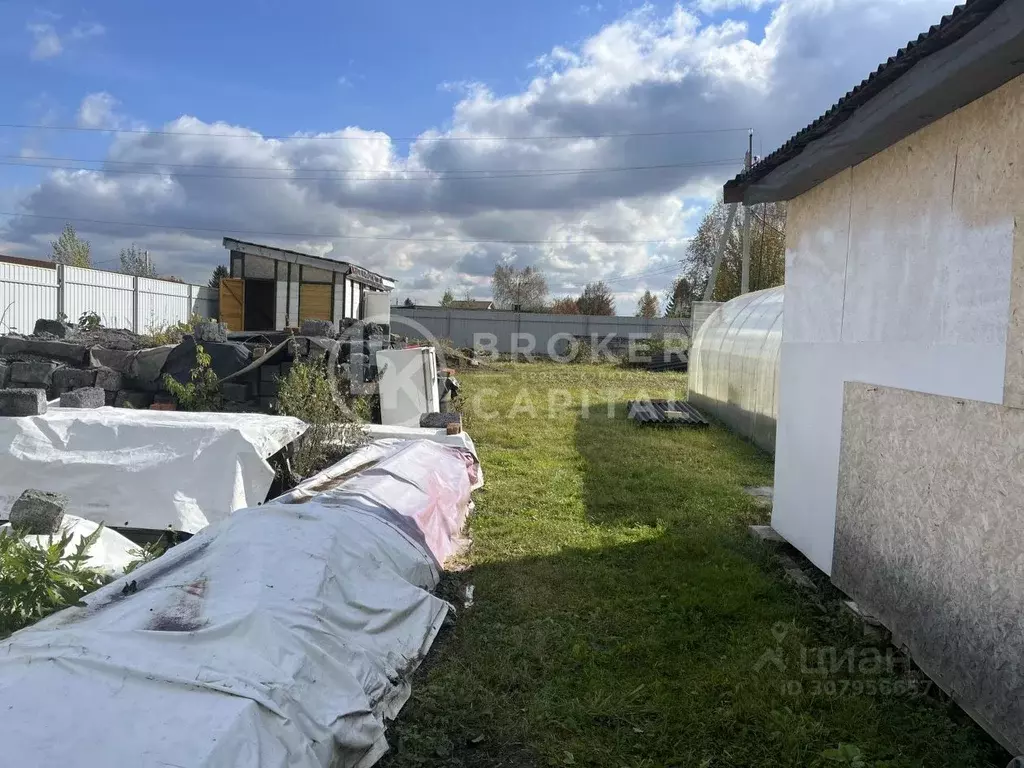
(523, 288)
(648, 306)
(565, 306)
(679, 298)
(70, 249)
(596, 299)
(135, 261)
(767, 252)
(218, 272)
(448, 299)
(409, 303)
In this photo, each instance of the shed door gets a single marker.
(314, 301)
(232, 303)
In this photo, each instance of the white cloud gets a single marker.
(97, 111)
(87, 30)
(717, 6)
(441, 200)
(46, 41)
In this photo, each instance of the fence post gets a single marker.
(191, 304)
(60, 293)
(135, 305)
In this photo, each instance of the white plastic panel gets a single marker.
(281, 289)
(408, 385)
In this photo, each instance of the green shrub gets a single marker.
(172, 333)
(308, 394)
(202, 392)
(90, 321)
(38, 581)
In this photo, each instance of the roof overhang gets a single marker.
(966, 62)
(354, 272)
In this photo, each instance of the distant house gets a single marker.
(472, 304)
(271, 288)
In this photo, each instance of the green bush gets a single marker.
(308, 394)
(172, 333)
(202, 392)
(38, 581)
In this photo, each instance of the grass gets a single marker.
(623, 617)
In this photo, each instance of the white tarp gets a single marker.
(280, 637)
(144, 469)
(111, 553)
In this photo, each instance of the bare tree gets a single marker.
(597, 299)
(135, 261)
(70, 249)
(564, 306)
(648, 306)
(525, 289)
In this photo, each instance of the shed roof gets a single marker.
(970, 52)
(360, 274)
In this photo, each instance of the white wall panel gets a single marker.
(26, 295)
(281, 299)
(161, 303)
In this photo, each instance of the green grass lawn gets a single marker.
(623, 617)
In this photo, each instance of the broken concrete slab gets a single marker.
(35, 373)
(53, 327)
(108, 379)
(65, 379)
(319, 328)
(115, 359)
(75, 354)
(146, 364)
(38, 513)
(766, 533)
(86, 397)
(235, 392)
(440, 420)
(211, 331)
(22, 402)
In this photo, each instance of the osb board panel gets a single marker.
(314, 302)
(929, 536)
(232, 303)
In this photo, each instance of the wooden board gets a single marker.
(232, 303)
(314, 301)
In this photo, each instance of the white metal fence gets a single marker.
(462, 326)
(139, 304)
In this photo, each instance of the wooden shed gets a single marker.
(270, 288)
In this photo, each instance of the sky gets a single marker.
(425, 141)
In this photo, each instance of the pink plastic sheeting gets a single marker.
(283, 636)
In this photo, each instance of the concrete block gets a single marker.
(62, 351)
(22, 402)
(270, 372)
(108, 379)
(268, 404)
(65, 379)
(38, 512)
(269, 388)
(374, 331)
(210, 330)
(235, 392)
(109, 397)
(766, 533)
(53, 327)
(36, 373)
(86, 397)
(5, 372)
(440, 420)
(318, 328)
(127, 398)
(349, 347)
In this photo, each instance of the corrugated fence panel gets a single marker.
(162, 303)
(204, 301)
(108, 294)
(26, 295)
(467, 328)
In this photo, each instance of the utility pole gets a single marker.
(745, 264)
(709, 291)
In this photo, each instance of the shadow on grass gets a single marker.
(658, 634)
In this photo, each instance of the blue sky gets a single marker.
(402, 68)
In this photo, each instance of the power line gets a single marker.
(154, 163)
(372, 238)
(437, 177)
(384, 137)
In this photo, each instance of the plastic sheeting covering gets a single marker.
(282, 636)
(111, 553)
(144, 469)
(734, 365)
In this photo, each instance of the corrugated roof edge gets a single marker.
(335, 262)
(950, 29)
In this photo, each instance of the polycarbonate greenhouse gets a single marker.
(734, 365)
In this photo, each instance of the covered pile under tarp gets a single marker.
(281, 637)
(144, 469)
